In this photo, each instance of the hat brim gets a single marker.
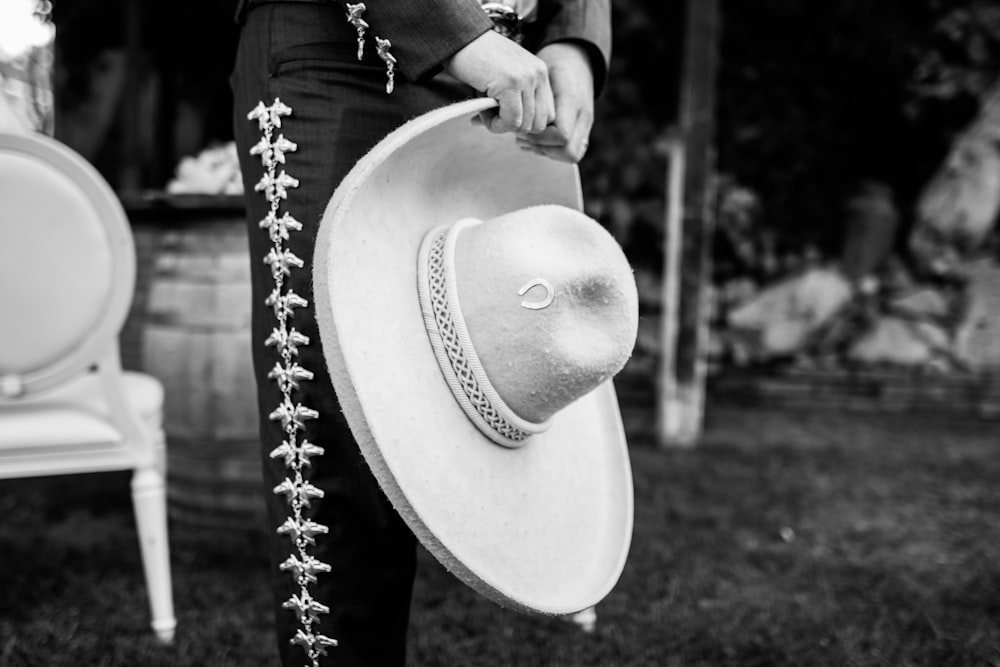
(543, 528)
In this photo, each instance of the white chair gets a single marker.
(67, 273)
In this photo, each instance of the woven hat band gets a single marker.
(460, 365)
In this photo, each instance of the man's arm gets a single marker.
(574, 41)
(586, 23)
(427, 36)
(425, 33)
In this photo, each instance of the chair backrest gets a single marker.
(67, 265)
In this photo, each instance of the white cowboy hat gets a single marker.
(535, 513)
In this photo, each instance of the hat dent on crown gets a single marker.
(545, 309)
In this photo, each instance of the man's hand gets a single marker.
(573, 90)
(510, 74)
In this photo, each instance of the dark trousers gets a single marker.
(305, 55)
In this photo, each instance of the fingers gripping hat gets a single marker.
(472, 318)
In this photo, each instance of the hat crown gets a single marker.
(549, 303)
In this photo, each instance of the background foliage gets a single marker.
(814, 99)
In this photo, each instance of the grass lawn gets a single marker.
(786, 538)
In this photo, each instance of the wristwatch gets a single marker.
(506, 20)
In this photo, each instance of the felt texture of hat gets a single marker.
(545, 527)
(526, 313)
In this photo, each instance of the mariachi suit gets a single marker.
(306, 109)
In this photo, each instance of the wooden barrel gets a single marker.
(196, 340)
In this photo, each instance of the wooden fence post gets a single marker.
(688, 236)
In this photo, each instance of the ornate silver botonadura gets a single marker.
(382, 46)
(354, 13)
(294, 449)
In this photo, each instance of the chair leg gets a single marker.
(150, 506)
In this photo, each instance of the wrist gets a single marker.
(583, 56)
(569, 68)
(565, 53)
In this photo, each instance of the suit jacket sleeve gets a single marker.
(587, 22)
(425, 33)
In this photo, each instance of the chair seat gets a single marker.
(74, 416)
